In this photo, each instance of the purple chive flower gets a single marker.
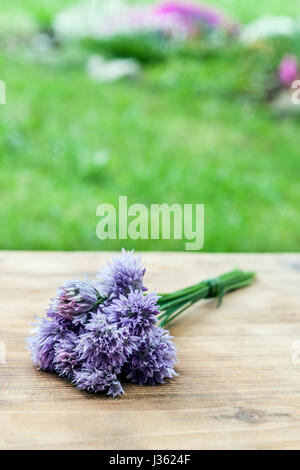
(288, 70)
(92, 338)
(81, 319)
(105, 345)
(137, 312)
(98, 380)
(74, 298)
(124, 273)
(66, 359)
(42, 341)
(154, 361)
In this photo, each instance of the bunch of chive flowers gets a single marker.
(99, 333)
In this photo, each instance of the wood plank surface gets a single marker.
(238, 387)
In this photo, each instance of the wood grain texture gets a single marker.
(237, 389)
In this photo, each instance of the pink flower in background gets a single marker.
(191, 12)
(194, 15)
(288, 70)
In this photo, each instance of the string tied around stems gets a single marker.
(215, 289)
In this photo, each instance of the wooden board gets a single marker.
(238, 386)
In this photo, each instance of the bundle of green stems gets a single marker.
(174, 304)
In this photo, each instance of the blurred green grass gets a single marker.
(166, 143)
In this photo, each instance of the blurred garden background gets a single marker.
(154, 101)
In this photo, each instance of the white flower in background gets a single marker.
(106, 18)
(102, 70)
(89, 19)
(269, 26)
